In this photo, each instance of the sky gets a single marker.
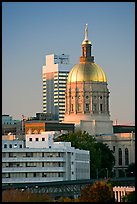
(32, 30)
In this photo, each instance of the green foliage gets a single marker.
(100, 154)
(130, 197)
(107, 159)
(100, 191)
(130, 172)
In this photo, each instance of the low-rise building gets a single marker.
(39, 159)
(38, 126)
(9, 125)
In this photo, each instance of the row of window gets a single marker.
(32, 154)
(120, 156)
(12, 146)
(32, 164)
(31, 175)
(37, 139)
(79, 107)
(88, 97)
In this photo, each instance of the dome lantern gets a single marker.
(87, 69)
(86, 48)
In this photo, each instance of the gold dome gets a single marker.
(87, 72)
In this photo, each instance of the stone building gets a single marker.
(87, 94)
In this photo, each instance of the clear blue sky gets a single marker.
(31, 30)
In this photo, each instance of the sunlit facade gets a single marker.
(55, 73)
(87, 94)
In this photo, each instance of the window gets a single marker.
(113, 148)
(120, 156)
(79, 107)
(37, 139)
(34, 174)
(20, 145)
(60, 174)
(5, 145)
(10, 145)
(43, 139)
(86, 97)
(83, 51)
(44, 174)
(72, 107)
(15, 145)
(87, 107)
(94, 107)
(101, 107)
(10, 154)
(30, 139)
(126, 157)
(29, 154)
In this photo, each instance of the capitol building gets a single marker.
(87, 106)
(78, 100)
(87, 94)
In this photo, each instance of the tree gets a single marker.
(129, 197)
(100, 191)
(130, 172)
(98, 151)
(65, 199)
(107, 160)
(16, 195)
(83, 140)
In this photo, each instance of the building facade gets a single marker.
(87, 94)
(40, 159)
(10, 126)
(87, 106)
(54, 74)
(38, 126)
(123, 147)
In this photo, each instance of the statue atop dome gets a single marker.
(86, 32)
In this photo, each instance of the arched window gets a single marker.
(120, 156)
(126, 157)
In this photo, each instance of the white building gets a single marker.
(123, 146)
(40, 159)
(55, 73)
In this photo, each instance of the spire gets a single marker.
(86, 32)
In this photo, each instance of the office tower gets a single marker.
(55, 73)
